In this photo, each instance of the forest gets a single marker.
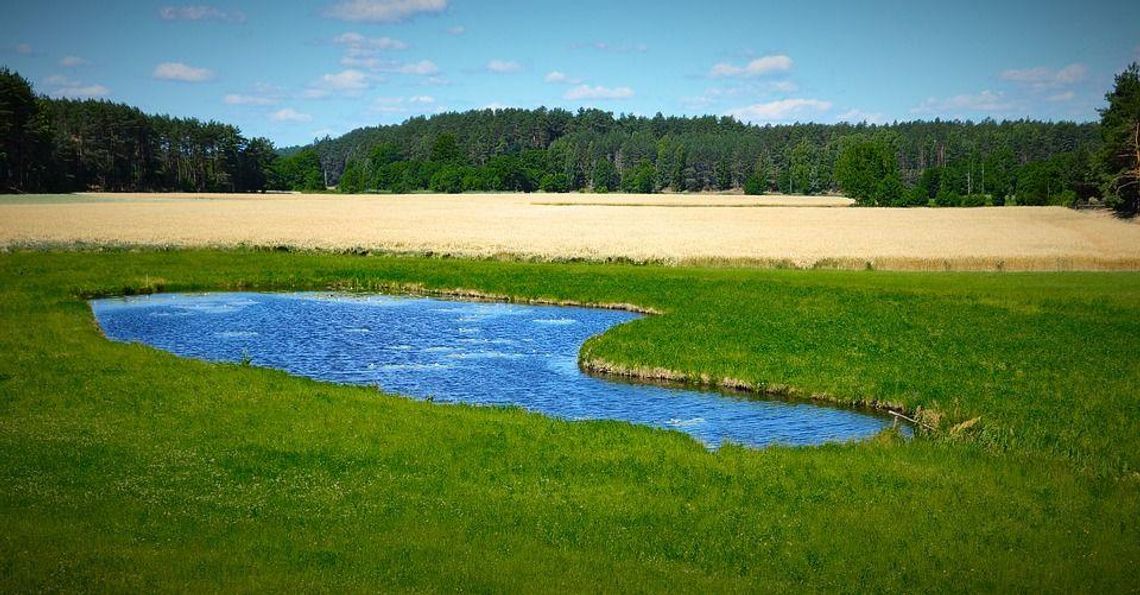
(65, 145)
(556, 150)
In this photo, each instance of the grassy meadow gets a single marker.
(126, 468)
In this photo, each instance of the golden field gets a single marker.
(769, 230)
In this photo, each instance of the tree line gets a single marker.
(593, 149)
(939, 162)
(64, 145)
(555, 150)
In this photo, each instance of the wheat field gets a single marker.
(715, 229)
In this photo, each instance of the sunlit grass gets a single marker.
(122, 467)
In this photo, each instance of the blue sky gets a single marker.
(292, 71)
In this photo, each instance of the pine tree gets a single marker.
(1120, 128)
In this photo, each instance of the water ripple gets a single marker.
(451, 351)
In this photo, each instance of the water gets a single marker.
(454, 351)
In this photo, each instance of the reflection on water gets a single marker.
(451, 351)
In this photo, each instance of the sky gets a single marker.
(295, 71)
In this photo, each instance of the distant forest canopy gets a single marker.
(526, 150)
(64, 145)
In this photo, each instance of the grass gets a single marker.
(126, 468)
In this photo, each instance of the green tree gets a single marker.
(448, 180)
(300, 171)
(916, 197)
(445, 149)
(754, 185)
(353, 179)
(947, 197)
(477, 180)
(757, 180)
(605, 176)
(801, 168)
(1120, 129)
(723, 175)
(890, 192)
(21, 138)
(641, 179)
(680, 164)
(1036, 183)
(50, 145)
(867, 171)
(557, 182)
(930, 182)
(257, 157)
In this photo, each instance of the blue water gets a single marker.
(454, 351)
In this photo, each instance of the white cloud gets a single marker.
(355, 58)
(497, 105)
(598, 92)
(383, 11)
(349, 83)
(364, 52)
(23, 48)
(699, 102)
(423, 67)
(503, 66)
(560, 78)
(261, 94)
(82, 92)
(315, 93)
(346, 80)
(758, 67)
(1046, 78)
(356, 40)
(388, 105)
(456, 30)
(780, 111)
(72, 62)
(986, 101)
(713, 95)
(177, 71)
(289, 114)
(855, 116)
(236, 99)
(61, 86)
(1061, 97)
(418, 104)
(199, 13)
(363, 58)
(736, 92)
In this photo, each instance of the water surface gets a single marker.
(455, 351)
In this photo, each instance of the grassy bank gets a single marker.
(124, 467)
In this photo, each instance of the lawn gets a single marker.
(126, 468)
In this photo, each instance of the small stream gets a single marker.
(459, 352)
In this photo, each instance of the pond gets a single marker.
(459, 352)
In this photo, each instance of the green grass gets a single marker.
(126, 468)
